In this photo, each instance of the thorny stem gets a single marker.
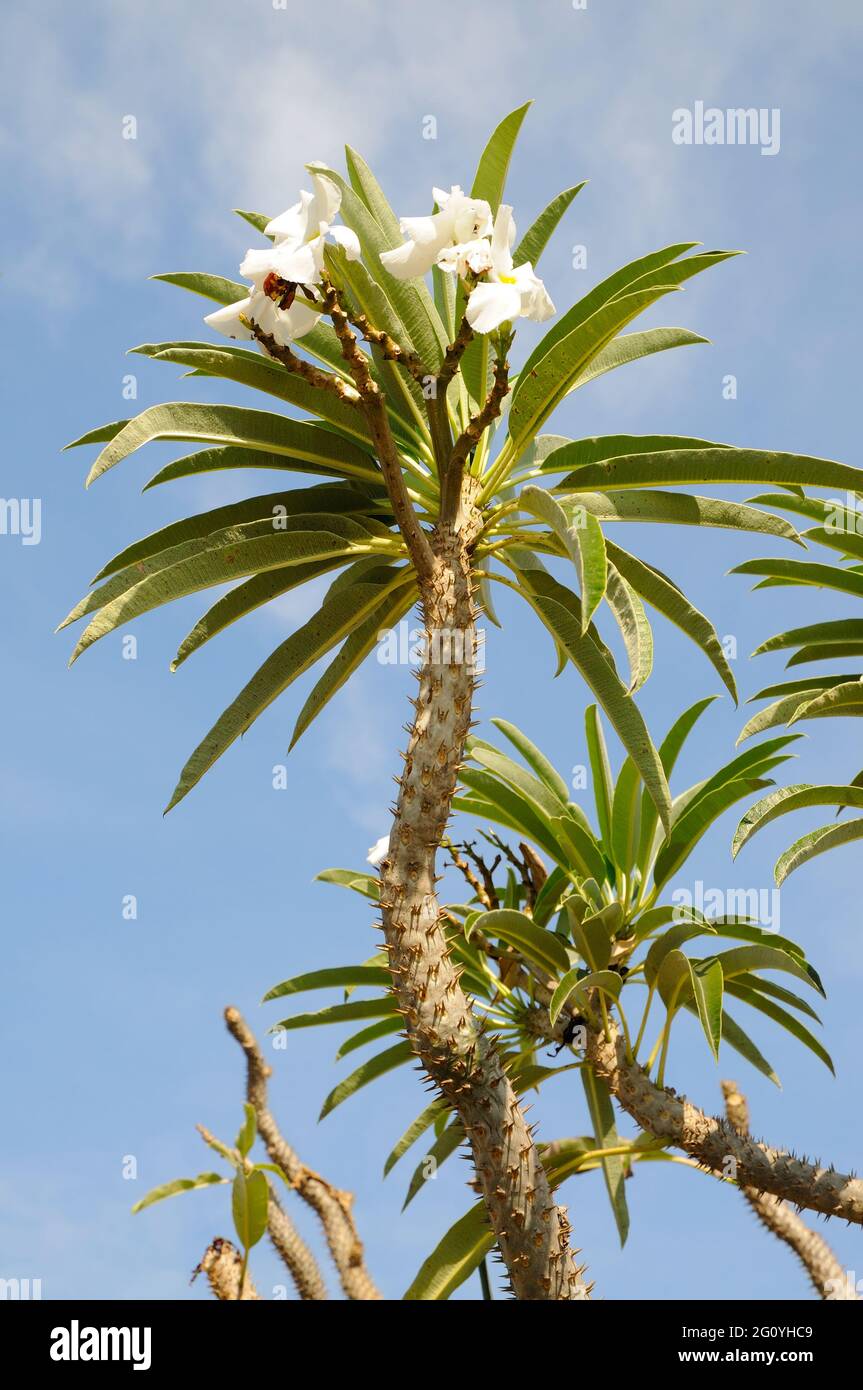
(459, 1057)
(322, 381)
(824, 1270)
(220, 1263)
(332, 1206)
(713, 1142)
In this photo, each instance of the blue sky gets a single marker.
(112, 1028)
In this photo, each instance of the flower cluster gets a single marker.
(292, 264)
(462, 237)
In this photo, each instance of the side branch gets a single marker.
(825, 1272)
(390, 349)
(322, 381)
(468, 440)
(222, 1263)
(453, 355)
(287, 1241)
(374, 407)
(713, 1141)
(332, 1206)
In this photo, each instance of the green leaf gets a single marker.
(785, 1020)
(845, 699)
(679, 509)
(576, 985)
(633, 275)
(597, 448)
(560, 611)
(539, 233)
(370, 1070)
(235, 552)
(333, 621)
(839, 632)
(633, 346)
(444, 1146)
(582, 852)
(536, 760)
(776, 714)
(237, 426)
(531, 941)
(669, 751)
(742, 1043)
(173, 1189)
(338, 1013)
(743, 959)
(212, 287)
(663, 595)
(794, 798)
(815, 843)
(366, 186)
(600, 770)
(292, 502)
(545, 802)
(634, 627)
(246, 1136)
(711, 465)
(773, 991)
(246, 598)
(672, 940)
(614, 1167)
(328, 978)
(707, 987)
(625, 816)
(229, 458)
(695, 821)
(250, 1201)
(98, 435)
(493, 167)
(365, 884)
(413, 1132)
(674, 981)
(381, 1029)
(507, 807)
(544, 386)
(806, 572)
(583, 540)
(802, 686)
(594, 934)
(395, 603)
(454, 1258)
(258, 220)
(262, 374)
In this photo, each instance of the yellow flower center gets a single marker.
(506, 279)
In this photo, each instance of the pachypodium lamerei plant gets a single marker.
(551, 951)
(434, 449)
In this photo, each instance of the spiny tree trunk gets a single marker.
(462, 1061)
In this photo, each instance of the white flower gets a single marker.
(509, 292)
(472, 257)
(290, 266)
(378, 852)
(461, 219)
